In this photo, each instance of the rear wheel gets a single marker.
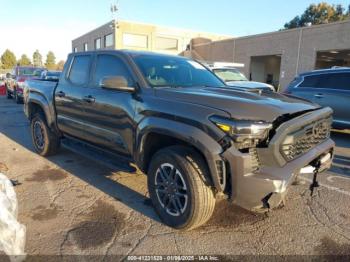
(45, 141)
(8, 94)
(177, 189)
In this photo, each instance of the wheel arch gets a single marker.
(38, 104)
(155, 134)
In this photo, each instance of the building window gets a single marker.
(75, 50)
(132, 40)
(97, 43)
(109, 40)
(168, 44)
(85, 47)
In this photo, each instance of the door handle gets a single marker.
(89, 99)
(61, 94)
(318, 95)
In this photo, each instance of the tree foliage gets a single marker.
(60, 65)
(50, 61)
(37, 59)
(321, 13)
(8, 59)
(24, 60)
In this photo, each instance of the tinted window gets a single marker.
(310, 81)
(108, 65)
(80, 70)
(330, 81)
(108, 40)
(163, 43)
(336, 81)
(174, 71)
(135, 40)
(98, 43)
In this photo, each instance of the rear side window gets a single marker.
(311, 81)
(336, 81)
(79, 71)
(109, 65)
(330, 81)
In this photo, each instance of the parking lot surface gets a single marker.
(72, 205)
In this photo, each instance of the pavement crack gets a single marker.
(138, 242)
(314, 216)
(176, 245)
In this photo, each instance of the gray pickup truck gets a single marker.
(195, 138)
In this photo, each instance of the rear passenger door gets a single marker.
(334, 91)
(111, 113)
(69, 96)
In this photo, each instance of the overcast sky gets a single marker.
(51, 25)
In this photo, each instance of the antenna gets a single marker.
(114, 10)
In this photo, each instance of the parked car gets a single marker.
(15, 81)
(2, 85)
(327, 87)
(50, 75)
(194, 137)
(233, 77)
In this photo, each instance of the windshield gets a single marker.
(230, 74)
(53, 74)
(29, 71)
(171, 71)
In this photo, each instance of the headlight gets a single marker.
(242, 130)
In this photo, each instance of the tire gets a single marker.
(8, 95)
(46, 143)
(191, 202)
(17, 98)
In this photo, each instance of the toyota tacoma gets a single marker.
(195, 138)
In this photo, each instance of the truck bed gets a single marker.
(45, 88)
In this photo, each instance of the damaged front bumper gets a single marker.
(268, 187)
(258, 190)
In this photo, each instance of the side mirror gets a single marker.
(118, 83)
(8, 75)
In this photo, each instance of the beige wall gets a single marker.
(183, 36)
(285, 43)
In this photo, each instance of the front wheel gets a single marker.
(177, 188)
(17, 98)
(45, 141)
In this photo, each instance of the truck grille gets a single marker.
(301, 141)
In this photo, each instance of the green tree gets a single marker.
(60, 65)
(37, 59)
(321, 13)
(24, 60)
(50, 61)
(8, 59)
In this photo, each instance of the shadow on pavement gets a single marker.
(15, 126)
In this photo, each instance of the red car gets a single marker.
(2, 86)
(15, 81)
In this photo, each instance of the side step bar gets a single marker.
(113, 161)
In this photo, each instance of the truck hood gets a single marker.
(250, 84)
(238, 104)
